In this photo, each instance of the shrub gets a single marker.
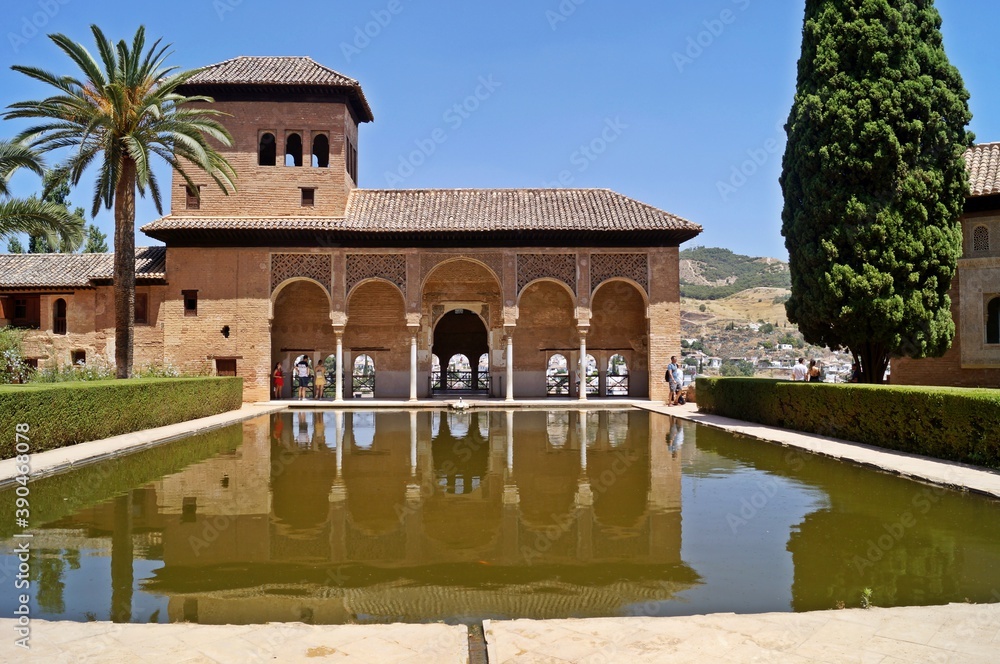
(68, 413)
(13, 368)
(955, 424)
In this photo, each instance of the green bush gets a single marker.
(950, 423)
(64, 414)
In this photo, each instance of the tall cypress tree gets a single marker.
(874, 181)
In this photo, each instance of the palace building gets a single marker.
(508, 293)
(974, 357)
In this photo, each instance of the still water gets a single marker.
(371, 517)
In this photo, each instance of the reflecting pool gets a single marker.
(372, 517)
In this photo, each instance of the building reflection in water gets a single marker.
(343, 516)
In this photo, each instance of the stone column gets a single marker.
(413, 443)
(583, 366)
(583, 439)
(510, 364)
(338, 394)
(338, 418)
(413, 364)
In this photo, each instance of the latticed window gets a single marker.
(981, 239)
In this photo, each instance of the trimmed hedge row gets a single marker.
(950, 423)
(64, 414)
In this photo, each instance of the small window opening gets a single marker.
(321, 151)
(225, 367)
(59, 317)
(293, 150)
(190, 302)
(308, 197)
(981, 239)
(189, 509)
(993, 321)
(268, 152)
(193, 197)
(351, 159)
(141, 308)
(78, 357)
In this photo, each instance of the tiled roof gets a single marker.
(444, 211)
(376, 210)
(983, 162)
(75, 270)
(278, 71)
(288, 70)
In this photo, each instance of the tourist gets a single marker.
(814, 371)
(279, 380)
(674, 379)
(302, 373)
(856, 372)
(320, 382)
(800, 372)
(676, 440)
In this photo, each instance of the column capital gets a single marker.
(413, 320)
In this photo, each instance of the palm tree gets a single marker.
(122, 111)
(30, 215)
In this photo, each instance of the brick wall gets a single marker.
(275, 191)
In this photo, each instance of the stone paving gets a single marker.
(182, 643)
(953, 634)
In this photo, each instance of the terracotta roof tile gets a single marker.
(983, 162)
(271, 70)
(280, 71)
(75, 270)
(376, 211)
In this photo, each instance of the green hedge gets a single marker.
(64, 414)
(944, 422)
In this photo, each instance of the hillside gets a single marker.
(709, 273)
(733, 306)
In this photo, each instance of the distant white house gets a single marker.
(785, 347)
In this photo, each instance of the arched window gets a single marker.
(267, 152)
(483, 375)
(363, 384)
(59, 317)
(293, 150)
(363, 429)
(557, 376)
(981, 239)
(321, 151)
(593, 380)
(617, 376)
(330, 369)
(459, 373)
(557, 428)
(436, 383)
(993, 321)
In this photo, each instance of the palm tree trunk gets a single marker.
(124, 269)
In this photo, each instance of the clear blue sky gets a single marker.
(668, 121)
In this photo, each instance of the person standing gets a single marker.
(302, 373)
(800, 372)
(674, 379)
(814, 371)
(278, 381)
(320, 382)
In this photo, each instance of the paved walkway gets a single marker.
(181, 643)
(953, 634)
